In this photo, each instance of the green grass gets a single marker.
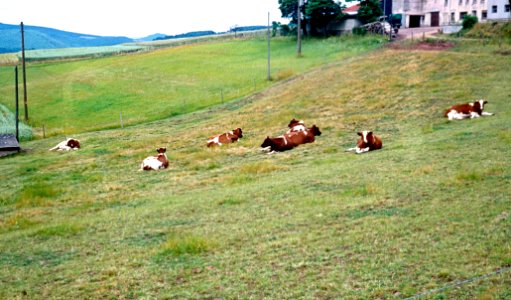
(8, 124)
(429, 209)
(69, 97)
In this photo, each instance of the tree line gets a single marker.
(316, 15)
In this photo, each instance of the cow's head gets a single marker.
(238, 132)
(482, 102)
(315, 130)
(366, 137)
(161, 150)
(73, 143)
(295, 122)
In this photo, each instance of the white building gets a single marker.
(425, 13)
(498, 10)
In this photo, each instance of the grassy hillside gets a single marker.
(78, 96)
(427, 211)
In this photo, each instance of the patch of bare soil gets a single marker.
(423, 45)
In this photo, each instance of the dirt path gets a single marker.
(416, 33)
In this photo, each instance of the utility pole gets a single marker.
(16, 119)
(24, 71)
(299, 29)
(269, 73)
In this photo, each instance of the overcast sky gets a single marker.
(135, 18)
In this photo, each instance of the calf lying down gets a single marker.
(225, 138)
(68, 144)
(157, 162)
(367, 142)
(468, 110)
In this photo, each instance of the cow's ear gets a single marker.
(485, 102)
(369, 133)
(359, 133)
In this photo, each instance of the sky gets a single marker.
(135, 18)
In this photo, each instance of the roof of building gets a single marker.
(352, 10)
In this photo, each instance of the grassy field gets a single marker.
(80, 52)
(429, 210)
(8, 124)
(69, 97)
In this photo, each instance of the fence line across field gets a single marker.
(460, 283)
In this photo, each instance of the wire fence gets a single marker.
(459, 283)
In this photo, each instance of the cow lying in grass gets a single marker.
(68, 144)
(225, 138)
(367, 142)
(290, 140)
(467, 110)
(157, 162)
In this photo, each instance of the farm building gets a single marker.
(347, 24)
(434, 13)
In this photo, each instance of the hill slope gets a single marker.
(148, 86)
(48, 38)
(429, 210)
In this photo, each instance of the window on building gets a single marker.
(460, 3)
(474, 2)
(466, 2)
(452, 17)
(446, 2)
(506, 8)
(494, 9)
(482, 1)
(474, 13)
(463, 14)
(484, 15)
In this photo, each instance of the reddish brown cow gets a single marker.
(290, 140)
(467, 110)
(367, 142)
(225, 138)
(157, 162)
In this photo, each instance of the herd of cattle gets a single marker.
(297, 134)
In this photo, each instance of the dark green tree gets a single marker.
(320, 13)
(317, 13)
(469, 21)
(369, 11)
(288, 8)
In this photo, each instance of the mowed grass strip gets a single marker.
(428, 210)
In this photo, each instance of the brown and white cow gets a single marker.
(68, 144)
(368, 141)
(468, 110)
(157, 162)
(296, 126)
(290, 140)
(225, 138)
